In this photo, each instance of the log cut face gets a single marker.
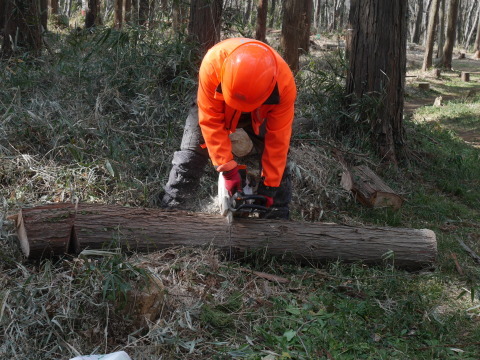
(45, 231)
(146, 230)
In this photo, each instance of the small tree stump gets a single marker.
(436, 73)
(465, 76)
(461, 56)
(369, 189)
(424, 86)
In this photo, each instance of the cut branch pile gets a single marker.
(58, 229)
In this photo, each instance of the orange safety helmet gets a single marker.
(248, 76)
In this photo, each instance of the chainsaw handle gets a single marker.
(258, 199)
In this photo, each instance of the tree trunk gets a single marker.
(377, 59)
(3, 5)
(306, 23)
(261, 30)
(204, 25)
(151, 14)
(477, 42)
(128, 11)
(291, 32)
(44, 14)
(428, 56)
(92, 15)
(316, 16)
(418, 23)
(473, 28)
(441, 28)
(446, 60)
(22, 29)
(118, 14)
(60, 229)
(272, 14)
(54, 7)
(142, 12)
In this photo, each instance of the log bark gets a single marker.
(145, 230)
(369, 188)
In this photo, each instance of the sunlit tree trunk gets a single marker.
(204, 25)
(428, 56)
(446, 60)
(377, 65)
(477, 41)
(22, 28)
(261, 30)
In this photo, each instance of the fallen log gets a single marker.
(145, 230)
(369, 188)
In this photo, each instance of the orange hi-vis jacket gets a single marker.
(217, 120)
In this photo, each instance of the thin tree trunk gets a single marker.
(261, 30)
(143, 12)
(291, 32)
(473, 28)
(44, 14)
(54, 7)
(92, 15)
(128, 11)
(418, 23)
(477, 41)
(62, 228)
(446, 60)
(428, 56)
(377, 65)
(316, 16)
(23, 29)
(441, 29)
(151, 14)
(118, 14)
(272, 14)
(306, 22)
(3, 6)
(204, 25)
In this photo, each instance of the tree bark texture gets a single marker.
(92, 16)
(204, 25)
(291, 32)
(428, 56)
(377, 59)
(53, 7)
(306, 25)
(3, 15)
(22, 28)
(418, 23)
(118, 14)
(446, 60)
(441, 28)
(261, 29)
(63, 228)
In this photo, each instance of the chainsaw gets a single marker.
(243, 203)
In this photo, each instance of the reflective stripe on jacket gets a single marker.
(217, 120)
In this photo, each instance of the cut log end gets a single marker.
(22, 234)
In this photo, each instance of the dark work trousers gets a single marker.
(189, 164)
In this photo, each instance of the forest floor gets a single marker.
(97, 119)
